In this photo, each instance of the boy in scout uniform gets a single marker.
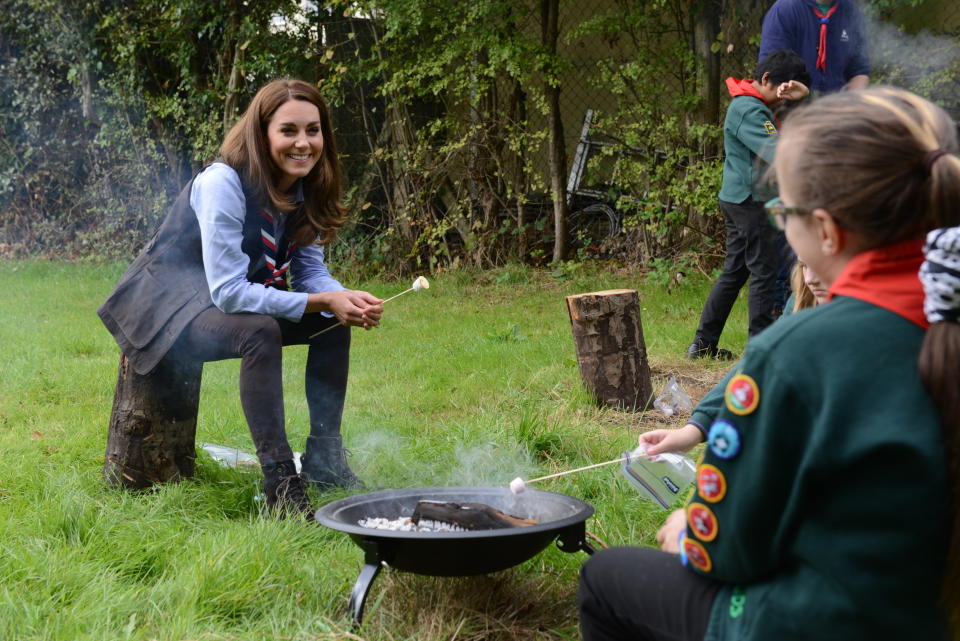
(749, 138)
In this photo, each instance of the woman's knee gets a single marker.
(260, 332)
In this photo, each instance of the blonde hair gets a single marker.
(246, 148)
(870, 169)
(803, 297)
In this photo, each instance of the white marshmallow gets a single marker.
(517, 485)
(420, 283)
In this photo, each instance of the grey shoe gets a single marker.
(284, 490)
(325, 464)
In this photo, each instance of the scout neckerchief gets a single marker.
(743, 88)
(277, 250)
(822, 48)
(887, 277)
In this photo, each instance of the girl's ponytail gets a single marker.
(938, 368)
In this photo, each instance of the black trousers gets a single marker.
(642, 594)
(752, 252)
(258, 340)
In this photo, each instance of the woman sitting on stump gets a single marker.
(237, 270)
(825, 504)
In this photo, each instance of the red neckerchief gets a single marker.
(743, 88)
(887, 277)
(822, 48)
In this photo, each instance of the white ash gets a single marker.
(404, 524)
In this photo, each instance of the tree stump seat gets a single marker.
(153, 424)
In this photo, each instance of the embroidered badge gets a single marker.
(769, 127)
(702, 521)
(737, 600)
(697, 555)
(742, 395)
(711, 484)
(724, 439)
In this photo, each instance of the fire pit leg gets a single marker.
(359, 595)
(373, 560)
(574, 539)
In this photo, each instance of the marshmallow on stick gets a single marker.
(419, 284)
(518, 485)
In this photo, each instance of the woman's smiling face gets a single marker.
(296, 141)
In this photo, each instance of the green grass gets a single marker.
(472, 382)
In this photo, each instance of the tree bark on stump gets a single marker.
(611, 352)
(153, 424)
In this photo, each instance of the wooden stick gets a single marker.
(579, 469)
(324, 331)
(397, 295)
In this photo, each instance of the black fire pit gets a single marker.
(561, 517)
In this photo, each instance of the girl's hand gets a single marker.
(354, 308)
(669, 535)
(677, 440)
(792, 90)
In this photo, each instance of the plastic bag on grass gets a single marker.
(232, 457)
(672, 399)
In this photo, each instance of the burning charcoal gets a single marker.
(469, 516)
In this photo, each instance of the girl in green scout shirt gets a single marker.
(823, 501)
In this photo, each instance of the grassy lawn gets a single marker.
(472, 382)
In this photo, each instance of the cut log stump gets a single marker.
(153, 424)
(611, 352)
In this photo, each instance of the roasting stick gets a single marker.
(419, 284)
(518, 485)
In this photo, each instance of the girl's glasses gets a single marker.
(778, 212)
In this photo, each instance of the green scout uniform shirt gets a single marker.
(748, 132)
(833, 521)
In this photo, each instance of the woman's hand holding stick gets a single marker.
(419, 284)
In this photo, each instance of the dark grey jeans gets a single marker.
(258, 340)
(642, 594)
(752, 252)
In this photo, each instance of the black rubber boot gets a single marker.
(699, 349)
(284, 490)
(325, 464)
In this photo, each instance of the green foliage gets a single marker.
(107, 108)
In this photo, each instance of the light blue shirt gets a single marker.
(218, 200)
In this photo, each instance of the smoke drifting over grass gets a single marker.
(923, 62)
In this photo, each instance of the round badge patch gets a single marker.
(742, 395)
(702, 521)
(711, 484)
(697, 555)
(724, 439)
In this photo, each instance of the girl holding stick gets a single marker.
(826, 503)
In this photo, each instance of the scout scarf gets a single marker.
(743, 88)
(888, 278)
(940, 275)
(276, 251)
(822, 47)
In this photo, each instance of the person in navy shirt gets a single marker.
(237, 270)
(829, 36)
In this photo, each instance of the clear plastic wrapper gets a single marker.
(672, 399)
(660, 478)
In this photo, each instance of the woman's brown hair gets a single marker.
(247, 150)
(880, 173)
